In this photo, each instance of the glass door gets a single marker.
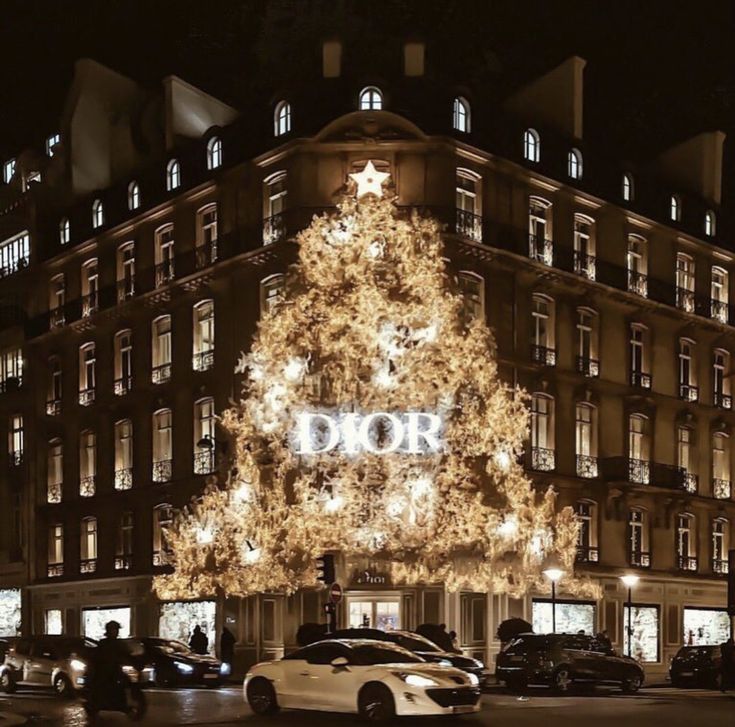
(374, 612)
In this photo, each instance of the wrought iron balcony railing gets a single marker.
(587, 466)
(86, 397)
(88, 565)
(124, 478)
(123, 562)
(161, 374)
(639, 471)
(640, 559)
(585, 265)
(161, 558)
(721, 489)
(688, 392)
(206, 255)
(203, 361)
(718, 310)
(57, 317)
(204, 462)
(720, 566)
(87, 486)
(125, 289)
(640, 379)
(685, 299)
(15, 458)
(724, 401)
(164, 272)
(53, 493)
(90, 304)
(543, 355)
(687, 562)
(468, 225)
(588, 554)
(541, 250)
(638, 283)
(691, 482)
(162, 470)
(53, 407)
(542, 459)
(274, 229)
(589, 367)
(13, 382)
(123, 385)
(54, 570)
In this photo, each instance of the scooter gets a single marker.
(121, 695)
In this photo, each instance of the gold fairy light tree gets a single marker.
(372, 423)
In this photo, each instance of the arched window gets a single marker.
(587, 548)
(133, 195)
(163, 516)
(721, 379)
(55, 471)
(675, 208)
(721, 485)
(686, 457)
(531, 145)
(272, 293)
(203, 336)
(585, 262)
(720, 545)
(472, 288)
(638, 449)
(162, 445)
(98, 214)
(686, 542)
(540, 245)
(574, 164)
(637, 259)
(543, 326)
(639, 552)
(685, 269)
(87, 463)
(282, 118)
(214, 153)
(204, 436)
(586, 439)
(88, 545)
(542, 432)
(628, 188)
(64, 231)
(461, 115)
(173, 175)
(710, 223)
(371, 99)
(587, 337)
(123, 454)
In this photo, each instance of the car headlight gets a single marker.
(416, 680)
(474, 680)
(225, 668)
(444, 662)
(184, 668)
(78, 665)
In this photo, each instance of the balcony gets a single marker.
(88, 565)
(543, 355)
(542, 251)
(161, 374)
(204, 462)
(587, 554)
(87, 486)
(639, 471)
(274, 229)
(54, 570)
(162, 470)
(721, 489)
(53, 493)
(691, 482)
(587, 466)
(543, 460)
(124, 478)
(585, 265)
(589, 367)
(638, 283)
(718, 310)
(206, 255)
(53, 407)
(640, 559)
(203, 361)
(687, 563)
(685, 299)
(720, 567)
(125, 289)
(56, 317)
(468, 225)
(123, 562)
(641, 380)
(724, 401)
(688, 392)
(164, 272)
(11, 383)
(90, 304)
(15, 458)
(123, 386)
(86, 397)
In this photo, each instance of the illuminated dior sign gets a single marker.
(379, 433)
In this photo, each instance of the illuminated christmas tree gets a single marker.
(373, 423)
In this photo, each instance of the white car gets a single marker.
(373, 678)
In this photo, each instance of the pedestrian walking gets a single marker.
(227, 647)
(198, 642)
(727, 665)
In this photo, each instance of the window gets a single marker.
(644, 632)
(203, 336)
(638, 548)
(51, 142)
(274, 228)
(162, 517)
(207, 236)
(90, 288)
(57, 300)
(56, 550)
(675, 208)
(628, 188)
(162, 445)
(87, 463)
(685, 282)
(64, 231)
(584, 247)
(53, 622)
(53, 403)
(587, 549)
(637, 260)
(705, 627)
(720, 545)
(125, 271)
(282, 118)
(542, 330)
(574, 164)
(161, 349)
(571, 617)
(15, 439)
(15, 254)
(272, 293)
(164, 255)
(720, 294)
(371, 99)
(639, 375)
(123, 364)
(469, 220)
(638, 449)
(8, 171)
(688, 389)
(721, 379)
(686, 543)
(87, 378)
(133, 196)
(472, 289)
(124, 541)
(587, 361)
(710, 223)
(123, 454)
(542, 432)
(88, 545)
(721, 487)
(539, 231)
(686, 457)
(11, 369)
(204, 440)
(55, 471)
(461, 115)
(531, 145)
(214, 153)
(98, 214)
(586, 440)
(173, 175)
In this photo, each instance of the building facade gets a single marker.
(136, 264)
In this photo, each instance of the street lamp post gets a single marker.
(553, 574)
(629, 581)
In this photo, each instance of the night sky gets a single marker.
(657, 72)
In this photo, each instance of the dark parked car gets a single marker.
(174, 663)
(559, 660)
(696, 666)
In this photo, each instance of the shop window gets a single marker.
(572, 617)
(10, 612)
(705, 627)
(473, 607)
(177, 620)
(53, 622)
(644, 637)
(94, 620)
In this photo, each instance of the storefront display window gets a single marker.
(178, 619)
(9, 611)
(705, 626)
(644, 639)
(94, 620)
(375, 613)
(571, 617)
(54, 625)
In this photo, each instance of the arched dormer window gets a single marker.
(371, 99)
(531, 145)
(628, 187)
(133, 196)
(98, 214)
(64, 231)
(675, 208)
(710, 223)
(214, 153)
(173, 175)
(282, 118)
(574, 164)
(461, 115)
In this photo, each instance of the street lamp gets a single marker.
(553, 574)
(629, 581)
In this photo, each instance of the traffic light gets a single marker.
(325, 568)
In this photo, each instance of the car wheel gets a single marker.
(632, 684)
(262, 697)
(561, 680)
(6, 682)
(62, 686)
(375, 703)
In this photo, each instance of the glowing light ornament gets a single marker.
(369, 181)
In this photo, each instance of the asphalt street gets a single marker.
(600, 707)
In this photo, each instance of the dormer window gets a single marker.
(282, 118)
(628, 190)
(51, 142)
(133, 196)
(461, 115)
(8, 170)
(173, 175)
(371, 99)
(574, 164)
(531, 145)
(64, 231)
(98, 214)
(675, 208)
(710, 223)
(214, 153)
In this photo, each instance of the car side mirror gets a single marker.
(339, 661)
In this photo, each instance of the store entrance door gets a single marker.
(374, 611)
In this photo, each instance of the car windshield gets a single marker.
(172, 647)
(416, 642)
(367, 654)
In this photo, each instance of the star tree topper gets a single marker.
(369, 181)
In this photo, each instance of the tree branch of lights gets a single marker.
(371, 323)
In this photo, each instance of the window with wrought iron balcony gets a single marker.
(685, 282)
(468, 220)
(639, 471)
(90, 304)
(204, 461)
(719, 294)
(721, 489)
(540, 249)
(640, 559)
(543, 459)
(723, 401)
(123, 562)
(543, 355)
(587, 554)
(125, 289)
(584, 246)
(638, 283)
(123, 385)
(687, 563)
(88, 565)
(688, 392)
(164, 272)
(124, 478)
(203, 335)
(162, 470)
(640, 379)
(587, 466)
(720, 566)
(588, 367)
